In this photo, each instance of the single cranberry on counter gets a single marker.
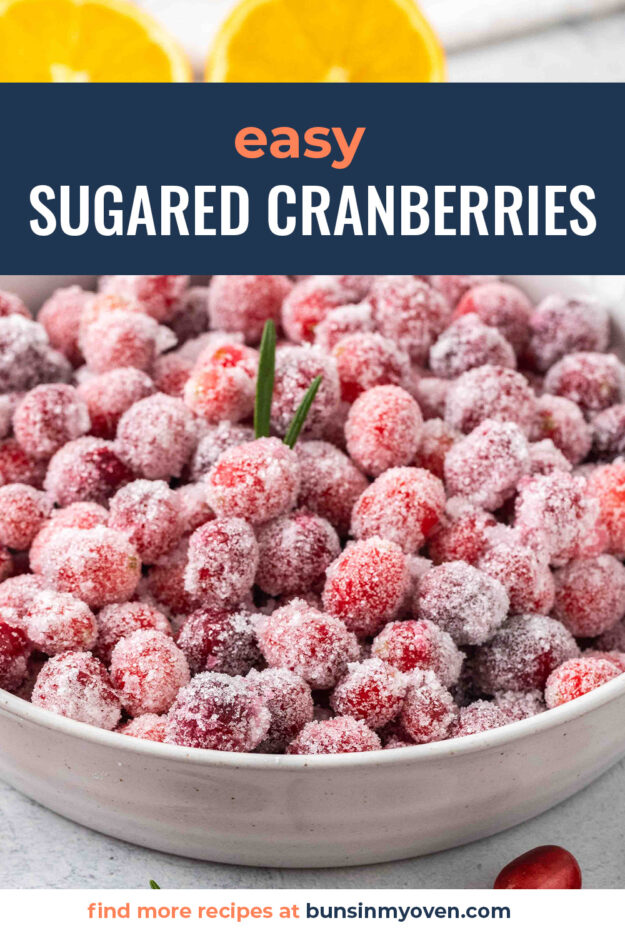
(547, 867)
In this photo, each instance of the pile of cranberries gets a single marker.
(439, 554)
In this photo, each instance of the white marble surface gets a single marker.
(39, 849)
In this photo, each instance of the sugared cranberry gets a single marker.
(592, 380)
(490, 392)
(76, 685)
(296, 368)
(520, 704)
(308, 304)
(214, 440)
(561, 421)
(147, 671)
(14, 654)
(431, 394)
(149, 514)
(83, 515)
(48, 417)
(501, 305)
(220, 641)
(60, 316)
(608, 432)
(110, 395)
(463, 533)
(436, 441)
(294, 553)
(223, 382)
(330, 482)
(12, 305)
(23, 512)
(290, 704)
(383, 429)
(429, 711)
(243, 303)
(156, 437)
(478, 717)
(149, 726)
(486, 466)
(590, 595)
(158, 294)
(58, 622)
(523, 572)
(410, 312)
(606, 484)
(454, 286)
(469, 343)
(86, 470)
(576, 677)
(118, 620)
(222, 562)
(341, 322)
(336, 735)
(367, 359)
(372, 690)
(561, 325)
(463, 601)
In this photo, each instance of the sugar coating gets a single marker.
(308, 304)
(502, 306)
(431, 394)
(190, 318)
(590, 595)
(76, 685)
(148, 512)
(12, 305)
(490, 392)
(222, 384)
(158, 294)
(26, 357)
(314, 645)
(556, 514)
(60, 316)
(194, 510)
(522, 571)
(341, 322)
(576, 677)
(330, 482)
(118, 620)
(606, 484)
(454, 286)
(49, 416)
(616, 657)
(86, 470)
(117, 340)
(257, 481)
(592, 380)
(462, 533)
(410, 312)
(156, 437)
(170, 373)
(14, 654)
(18, 466)
(296, 368)
(437, 439)
(147, 671)
(77, 515)
(463, 601)
(213, 640)
(383, 429)
(372, 691)
(523, 654)
(367, 359)
(487, 465)
(366, 585)
(419, 644)
(469, 343)
(478, 717)
(23, 512)
(294, 553)
(560, 325)
(429, 710)
(336, 735)
(99, 565)
(218, 711)
(520, 704)
(222, 562)
(149, 726)
(290, 704)
(402, 505)
(545, 457)
(110, 395)
(243, 303)
(58, 622)
(16, 595)
(608, 432)
(214, 440)
(165, 582)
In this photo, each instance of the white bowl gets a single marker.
(297, 811)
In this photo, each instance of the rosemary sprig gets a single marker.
(301, 413)
(154, 884)
(264, 381)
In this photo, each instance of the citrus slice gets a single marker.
(85, 40)
(326, 40)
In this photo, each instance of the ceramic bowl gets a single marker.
(298, 811)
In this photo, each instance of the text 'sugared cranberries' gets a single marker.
(119, 620)
(561, 421)
(86, 470)
(110, 395)
(501, 305)
(47, 417)
(576, 677)
(523, 572)
(147, 671)
(608, 432)
(366, 585)
(520, 704)
(257, 481)
(383, 429)
(308, 304)
(592, 380)
(410, 312)
(429, 711)
(290, 704)
(313, 644)
(479, 716)
(156, 436)
(454, 286)
(341, 322)
(58, 622)
(294, 553)
(77, 515)
(23, 512)
(149, 514)
(296, 368)
(607, 485)
(330, 482)
(556, 514)
(547, 867)
(367, 359)
(60, 316)
(436, 441)
(119, 340)
(243, 303)
(402, 505)
(523, 654)
(419, 644)
(220, 641)
(590, 595)
(463, 601)
(333, 736)
(372, 690)
(222, 562)
(223, 383)
(14, 655)
(486, 466)
(490, 392)
(218, 711)
(149, 726)
(12, 305)
(99, 566)
(26, 357)
(76, 685)
(469, 343)
(561, 325)
(158, 294)
(214, 440)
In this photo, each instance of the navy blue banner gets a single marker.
(259, 178)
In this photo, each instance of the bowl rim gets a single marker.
(417, 754)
